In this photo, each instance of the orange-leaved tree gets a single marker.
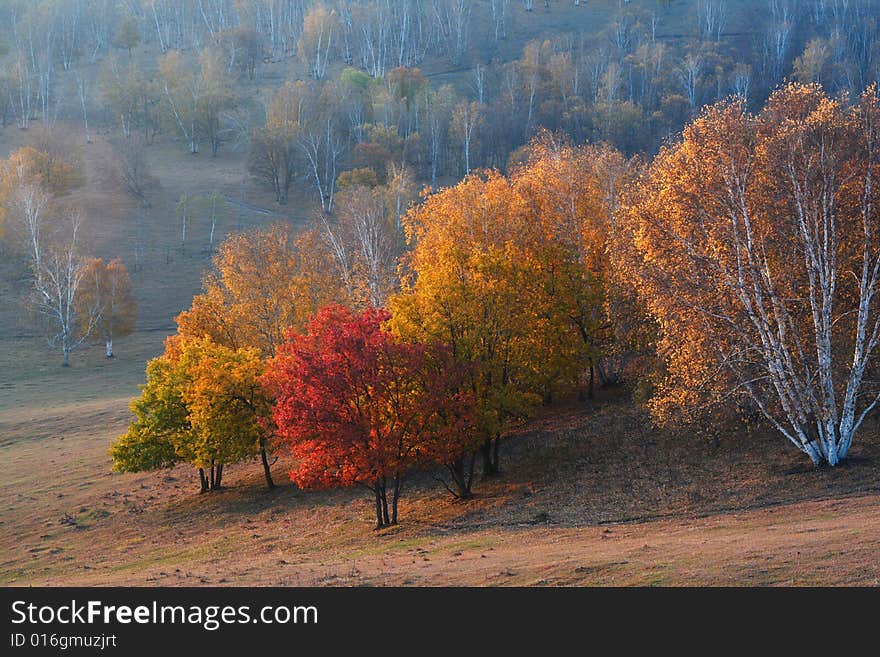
(475, 281)
(758, 252)
(571, 194)
(106, 306)
(264, 283)
(357, 405)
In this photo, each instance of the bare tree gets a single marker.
(84, 91)
(438, 109)
(466, 119)
(57, 277)
(321, 141)
(128, 168)
(689, 75)
(712, 16)
(29, 205)
(365, 241)
(740, 81)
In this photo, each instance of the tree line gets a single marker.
(356, 95)
(736, 275)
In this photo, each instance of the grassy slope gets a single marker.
(588, 496)
(691, 513)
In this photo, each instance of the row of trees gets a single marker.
(72, 296)
(627, 83)
(739, 272)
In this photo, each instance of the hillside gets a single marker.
(590, 493)
(588, 496)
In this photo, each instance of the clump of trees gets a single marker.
(202, 404)
(73, 297)
(757, 251)
(497, 271)
(738, 270)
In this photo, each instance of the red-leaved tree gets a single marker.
(357, 405)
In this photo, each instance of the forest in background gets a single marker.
(440, 86)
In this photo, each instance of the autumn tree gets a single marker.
(473, 282)
(216, 97)
(106, 307)
(565, 202)
(202, 404)
(50, 167)
(757, 253)
(181, 95)
(320, 31)
(274, 150)
(195, 100)
(356, 405)
(31, 181)
(132, 96)
(227, 403)
(812, 64)
(58, 271)
(160, 425)
(263, 283)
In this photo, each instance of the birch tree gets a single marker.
(181, 92)
(366, 243)
(105, 305)
(466, 120)
(58, 274)
(320, 139)
(759, 257)
(316, 44)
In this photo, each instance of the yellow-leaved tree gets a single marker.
(106, 307)
(474, 281)
(202, 404)
(572, 197)
(264, 283)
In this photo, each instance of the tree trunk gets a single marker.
(489, 452)
(385, 518)
(219, 481)
(65, 348)
(377, 490)
(109, 348)
(264, 458)
(395, 496)
(211, 485)
(462, 476)
(203, 480)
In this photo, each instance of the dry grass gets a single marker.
(589, 495)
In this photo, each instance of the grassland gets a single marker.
(589, 494)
